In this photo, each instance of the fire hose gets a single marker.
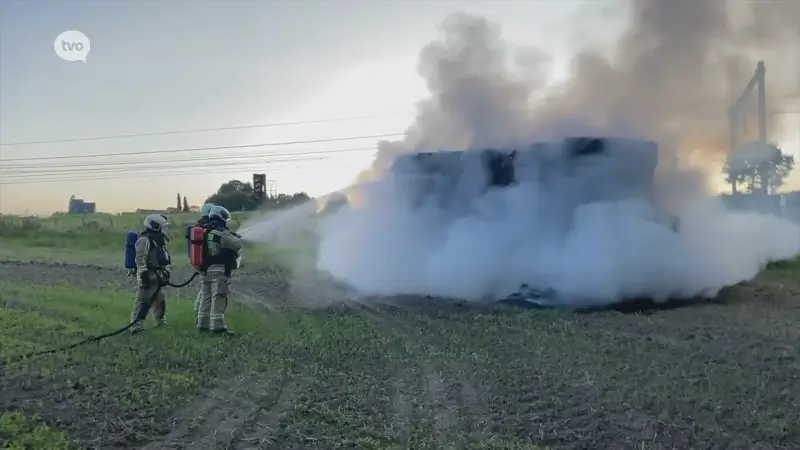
(161, 284)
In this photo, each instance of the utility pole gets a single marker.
(735, 115)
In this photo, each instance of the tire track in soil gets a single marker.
(268, 428)
(402, 411)
(209, 422)
(261, 431)
(225, 417)
(456, 405)
(272, 429)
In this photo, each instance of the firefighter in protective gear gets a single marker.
(152, 266)
(222, 250)
(204, 212)
(205, 288)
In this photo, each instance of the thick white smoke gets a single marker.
(488, 244)
(610, 251)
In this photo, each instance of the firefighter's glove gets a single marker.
(144, 278)
(164, 275)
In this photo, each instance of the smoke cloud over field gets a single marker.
(667, 79)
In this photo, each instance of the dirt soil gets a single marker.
(713, 376)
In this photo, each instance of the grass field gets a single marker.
(97, 238)
(712, 376)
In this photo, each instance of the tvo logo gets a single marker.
(72, 46)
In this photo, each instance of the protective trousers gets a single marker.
(204, 292)
(203, 302)
(214, 301)
(146, 301)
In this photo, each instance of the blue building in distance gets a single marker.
(78, 206)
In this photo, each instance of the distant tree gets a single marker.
(760, 168)
(179, 201)
(286, 200)
(235, 195)
(239, 196)
(185, 204)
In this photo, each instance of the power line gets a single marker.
(196, 149)
(201, 130)
(149, 175)
(792, 96)
(154, 168)
(127, 169)
(39, 168)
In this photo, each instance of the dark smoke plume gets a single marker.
(669, 77)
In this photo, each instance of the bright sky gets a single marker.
(171, 66)
(166, 66)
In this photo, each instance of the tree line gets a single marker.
(757, 168)
(185, 206)
(236, 195)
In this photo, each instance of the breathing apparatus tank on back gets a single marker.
(197, 247)
(189, 240)
(195, 237)
(130, 250)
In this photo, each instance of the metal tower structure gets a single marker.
(264, 188)
(259, 186)
(736, 112)
(272, 188)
